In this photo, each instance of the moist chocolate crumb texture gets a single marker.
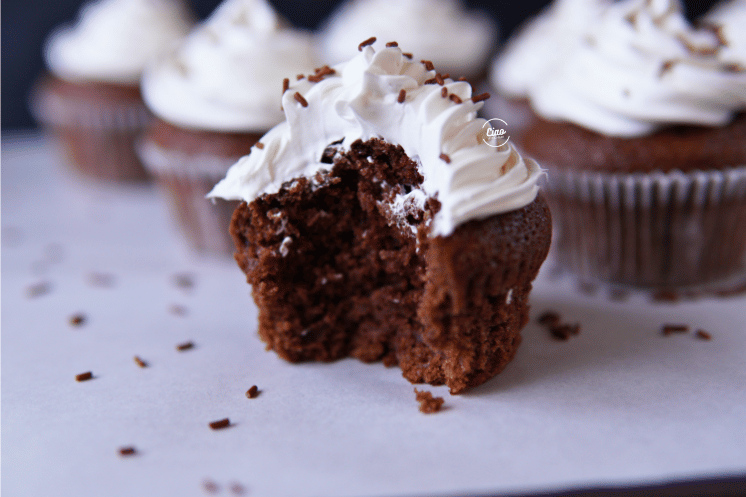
(642, 130)
(359, 239)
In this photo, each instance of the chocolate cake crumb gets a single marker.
(367, 42)
(140, 362)
(549, 318)
(299, 98)
(237, 489)
(77, 320)
(252, 392)
(668, 329)
(259, 145)
(428, 65)
(428, 403)
(127, 451)
(220, 424)
(445, 158)
(564, 331)
(178, 310)
(703, 335)
(184, 280)
(444, 92)
(210, 486)
(38, 289)
(285, 85)
(439, 79)
(455, 98)
(185, 346)
(480, 97)
(407, 55)
(402, 96)
(84, 376)
(392, 44)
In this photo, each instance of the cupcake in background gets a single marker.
(541, 44)
(90, 98)
(458, 41)
(643, 132)
(214, 96)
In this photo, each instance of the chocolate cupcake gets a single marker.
(379, 222)
(458, 41)
(90, 98)
(214, 97)
(643, 133)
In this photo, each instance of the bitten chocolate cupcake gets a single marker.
(643, 133)
(457, 40)
(90, 98)
(214, 97)
(379, 222)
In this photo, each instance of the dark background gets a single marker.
(25, 24)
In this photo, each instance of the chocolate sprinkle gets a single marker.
(428, 65)
(299, 98)
(455, 98)
(127, 451)
(407, 55)
(140, 362)
(367, 42)
(549, 318)
(430, 81)
(77, 320)
(259, 145)
(668, 329)
(300, 76)
(445, 158)
(439, 79)
(444, 92)
(480, 97)
(462, 78)
(252, 392)
(210, 486)
(702, 334)
(38, 289)
(392, 44)
(285, 85)
(184, 280)
(220, 424)
(185, 346)
(84, 376)
(402, 96)
(564, 331)
(237, 489)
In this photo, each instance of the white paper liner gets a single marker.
(185, 179)
(657, 230)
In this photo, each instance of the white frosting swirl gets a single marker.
(640, 68)
(227, 74)
(730, 17)
(543, 42)
(360, 101)
(457, 41)
(113, 40)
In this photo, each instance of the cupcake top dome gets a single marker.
(226, 75)
(457, 40)
(641, 67)
(113, 40)
(384, 94)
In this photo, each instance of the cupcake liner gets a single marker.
(185, 180)
(98, 135)
(660, 230)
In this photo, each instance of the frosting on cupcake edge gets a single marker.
(642, 67)
(385, 94)
(225, 75)
(113, 40)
